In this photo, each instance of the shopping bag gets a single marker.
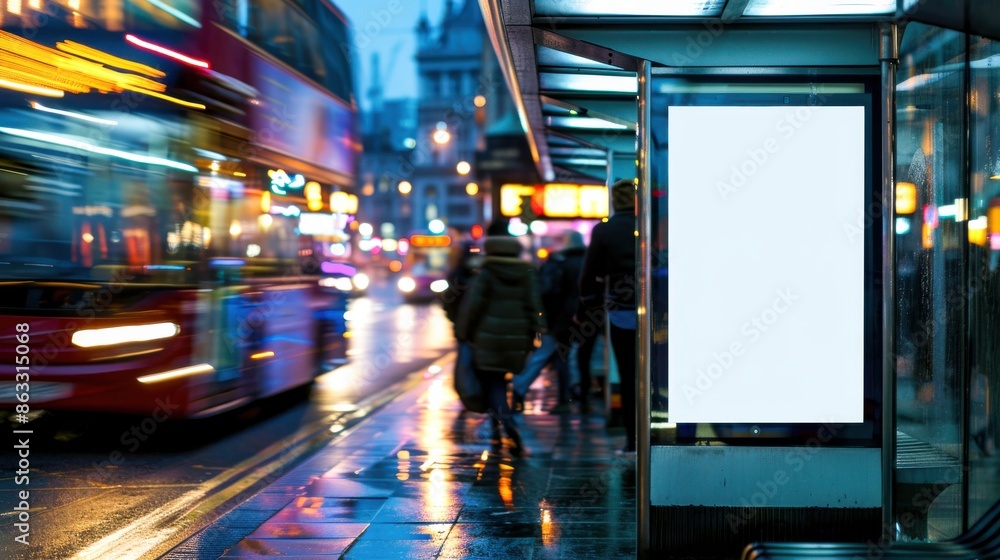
(467, 385)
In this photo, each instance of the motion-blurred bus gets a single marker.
(425, 268)
(169, 173)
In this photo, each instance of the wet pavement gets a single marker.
(420, 479)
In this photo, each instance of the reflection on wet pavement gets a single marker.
(420, 479)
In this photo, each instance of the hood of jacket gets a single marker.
(502, 259)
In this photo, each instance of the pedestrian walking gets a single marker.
(609, 265)
(500, 316)
(559, 281)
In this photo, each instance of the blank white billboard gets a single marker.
(766, 264)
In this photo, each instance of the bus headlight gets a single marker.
(406, 284)
(122, 335)
(343, 284)
(439, 286)
(361, 280)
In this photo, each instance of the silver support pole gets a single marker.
(606, 342)
(644, 329)
(889, 59)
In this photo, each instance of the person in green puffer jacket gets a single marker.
(500, 316)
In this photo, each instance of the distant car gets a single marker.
(424, 274)
(343, 278)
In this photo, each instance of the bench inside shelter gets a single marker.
(923, 472)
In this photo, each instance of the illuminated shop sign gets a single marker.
(314, 196)
(281, 182)
(430, 241)
(290, 211)
(317, 224)
(343, 203)
(555, 200)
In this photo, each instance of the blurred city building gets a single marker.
(450, 73)
(421, 154)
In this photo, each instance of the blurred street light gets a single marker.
(441, 136)
(463, 168)
(472, 189)
(405, 187)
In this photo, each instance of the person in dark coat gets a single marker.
(464, 264)
(500, 316)
(559, 285)
(610, 261)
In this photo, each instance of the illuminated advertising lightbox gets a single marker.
(766, 264)
(295, 118)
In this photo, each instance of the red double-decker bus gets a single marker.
(172, 178)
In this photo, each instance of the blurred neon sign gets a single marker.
(281, 182)
(289, 211)
(556, 200)
(430, 241)
(314, 196)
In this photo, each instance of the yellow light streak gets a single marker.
(175, 373)
(262, 355)
(102, 57)
(181, 102)
(28, 88)
(26, 63)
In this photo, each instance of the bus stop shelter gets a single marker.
(762, 136)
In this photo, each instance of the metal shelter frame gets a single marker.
(581, 73)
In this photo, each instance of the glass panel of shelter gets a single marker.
(931, 252)
(984, 272)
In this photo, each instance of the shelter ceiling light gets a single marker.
(758, 8)
(584, 122)
(583, 161)
(587, 82)
(693, 8)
